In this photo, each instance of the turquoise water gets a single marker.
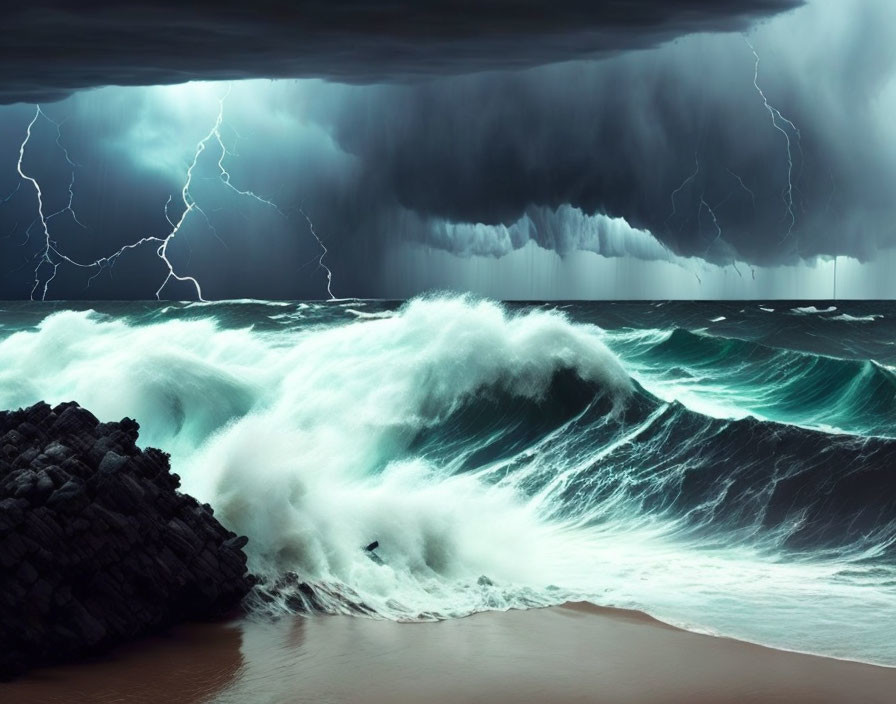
(726, 467)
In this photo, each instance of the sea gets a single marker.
(727, 467)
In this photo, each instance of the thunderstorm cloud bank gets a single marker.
(55, 47)
(714, 140)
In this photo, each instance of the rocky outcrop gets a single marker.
(96, 544)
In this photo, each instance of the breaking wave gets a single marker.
(505, 459)
(733, 378)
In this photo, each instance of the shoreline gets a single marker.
(571, 653)
(643, 616)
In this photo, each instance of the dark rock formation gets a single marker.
(96, 544)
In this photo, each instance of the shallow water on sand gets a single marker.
(574, 653)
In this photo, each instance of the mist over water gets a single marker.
(724, 467)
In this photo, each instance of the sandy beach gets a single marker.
(573, 653)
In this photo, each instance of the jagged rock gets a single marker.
(96, 544)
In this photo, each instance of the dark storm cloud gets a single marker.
(677, 141)
(53, 48)
(666, 156)
(131, 149)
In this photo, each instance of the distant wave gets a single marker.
(846, 318)
(732, 378)
(811, 310)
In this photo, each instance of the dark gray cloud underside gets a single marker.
(53, 48)
(677, 141)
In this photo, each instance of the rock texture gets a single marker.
(96, 544)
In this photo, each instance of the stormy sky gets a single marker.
(625, 149)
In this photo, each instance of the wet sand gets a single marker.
(575, 653)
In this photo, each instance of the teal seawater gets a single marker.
(726, 467)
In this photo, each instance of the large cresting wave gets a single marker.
(500, 458)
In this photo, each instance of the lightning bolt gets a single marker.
(323, 254)
(688, 179)
(51, 255)
(225, 178)
(718, 237)
(684, 184)
(744, 187)
(4, 201)
(12, 194)
(71, 185)
(189, 204)
(108, 261)
(223, 173)
(777, 121)
(45, 255)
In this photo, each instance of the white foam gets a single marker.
(847, 318)
(300, 439)
(369, 316)
(812, 310)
